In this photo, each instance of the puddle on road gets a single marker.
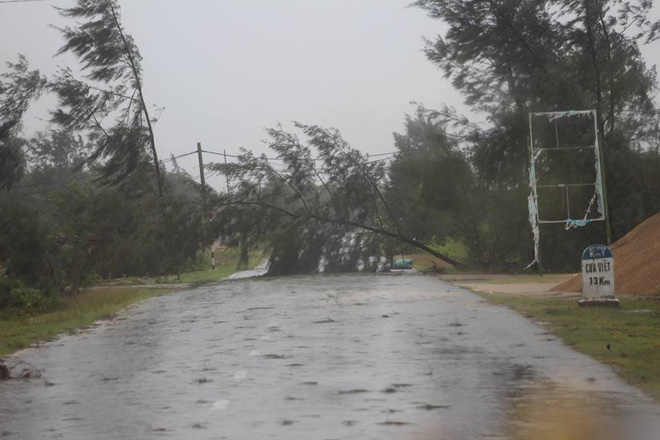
(546, 411)
(540, 409)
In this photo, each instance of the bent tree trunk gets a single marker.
(395, 235)
(244, 259)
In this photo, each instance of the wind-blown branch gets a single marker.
(314, 130)
(411, 241)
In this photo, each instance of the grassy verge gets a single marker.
(225, 265)
(74, 313)
(226, 261)
(101, 303)
(632, 332)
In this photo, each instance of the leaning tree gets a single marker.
(318, 202)
(512, 57)
(19, 86)
(111, 89)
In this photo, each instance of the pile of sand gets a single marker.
(636, 262)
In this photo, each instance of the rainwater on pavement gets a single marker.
(384, 356)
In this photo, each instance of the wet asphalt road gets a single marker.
(322, 357)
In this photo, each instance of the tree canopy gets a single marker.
(111, 64)
(512, 57)
(19, 86)
(312, 202)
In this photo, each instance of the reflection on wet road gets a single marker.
(322, 357)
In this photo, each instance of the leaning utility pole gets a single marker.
(201, 175)
(205, 215)
(224, 152)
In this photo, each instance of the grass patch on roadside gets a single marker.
(632, 331)
(72, 314)
(210, 276)
(82, 310)
(226, 261)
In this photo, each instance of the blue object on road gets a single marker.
(403, 263)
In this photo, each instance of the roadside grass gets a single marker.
(210, 276)
(427, 263)
(632, 331)
(82, 310)
(226, 261)
(73, 313)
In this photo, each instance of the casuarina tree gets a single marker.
(18, 88)
(108, 102)
(319, 203)
(512, 57)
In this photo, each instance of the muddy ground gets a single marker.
(512, 285)
(387, 356)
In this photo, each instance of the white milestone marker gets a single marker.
(598, 276)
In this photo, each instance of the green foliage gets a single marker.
(19, 332)
(630, 331)
(306, 211)
(109, 58)
(452, 248)
(18, 88)
(513, 57)
(428, 179)
(18, 301)
(62, 228)
(7, 287)
(99, 42)
(31, 302)
(437, 195)
(56, 150)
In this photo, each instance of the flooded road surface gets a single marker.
(320, 357)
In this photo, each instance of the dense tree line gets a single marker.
(320, 207)
(512, 57)
(89, 197)
(63, 225)
(453, 180)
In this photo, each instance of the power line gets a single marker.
(381, 160)
(23, 1)
(382, 154)
(233, 156)
(177, 157)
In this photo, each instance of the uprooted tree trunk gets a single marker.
(244, 258)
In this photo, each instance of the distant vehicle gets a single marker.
(403, 263)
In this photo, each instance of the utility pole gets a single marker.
(205, 214)
(224, 152)
(201, 175)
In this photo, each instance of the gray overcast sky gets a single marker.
(225, 69)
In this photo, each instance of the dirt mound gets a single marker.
(636, 262)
